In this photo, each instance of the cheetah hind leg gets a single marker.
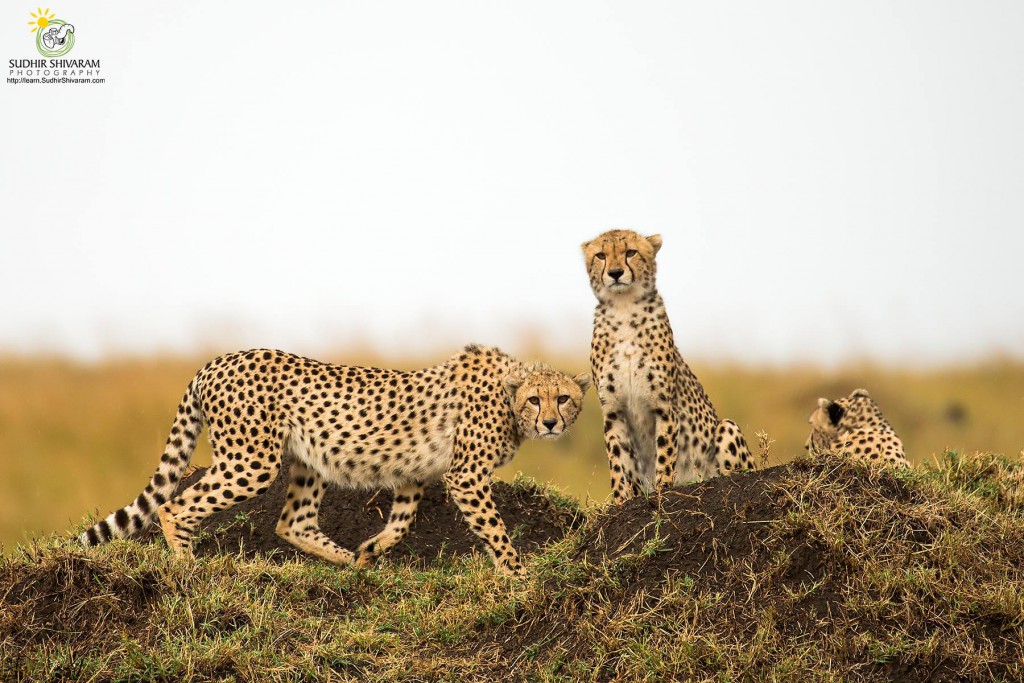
(731, 451)
(214, 492)
(299, 523)
(403, 514)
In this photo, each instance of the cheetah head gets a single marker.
(824, 423)
(545, 402)
(621, 263)
(847, 412)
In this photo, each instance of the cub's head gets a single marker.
(545, 402)
(621, 264)
(827, 418)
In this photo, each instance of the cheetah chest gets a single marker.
(629, 374)
(625, 374)
(626, 383)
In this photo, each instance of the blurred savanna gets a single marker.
(79, 437)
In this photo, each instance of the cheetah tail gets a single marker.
(140, 513)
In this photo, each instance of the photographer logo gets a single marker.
(54, 37)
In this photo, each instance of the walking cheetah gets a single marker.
(660, 427)
(356, 427)
(855, 425)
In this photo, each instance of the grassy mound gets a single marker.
(799, 572)
(817, 570)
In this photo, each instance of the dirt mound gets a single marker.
(811, 557)
(706, 529)
(817, 570)
(719, 529)
(701, 530)
(723, 531)
(351, 517)
(716, 532)
(46, 600)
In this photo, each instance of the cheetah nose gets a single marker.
(616, 274)
(550, 423)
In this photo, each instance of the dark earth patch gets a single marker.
(70, 598)
(835, 570)
(350, 517)
(747, 540)
(719, 532)
(704, 528)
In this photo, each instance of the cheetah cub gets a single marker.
(660, 427)
(855, 425)
(356, 427)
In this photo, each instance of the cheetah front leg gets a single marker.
(621, 461)
(472, 494)
(666, 428)
(299, 523)
(403, 514)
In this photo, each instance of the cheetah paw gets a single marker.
(365, 560)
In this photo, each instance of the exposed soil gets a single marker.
(71, 598)
(725, 535)
(46, 602)
(704, 529)
(718, 533)
(351, 517)
(719, 530)
(714, 531)
(792, 554)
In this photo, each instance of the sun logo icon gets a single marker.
(41, 20)
(54, 37)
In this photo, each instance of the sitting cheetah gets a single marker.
(854, 425)
(660, 427)
(357, 427)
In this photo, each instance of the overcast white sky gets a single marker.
(832, 180)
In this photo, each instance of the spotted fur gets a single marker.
(855, 426)
(355, 427)
(660, 427)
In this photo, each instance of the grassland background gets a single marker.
(77, 437)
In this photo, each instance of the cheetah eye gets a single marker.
(630, 253)
(600, 255)
(562, 399)
(534, 400)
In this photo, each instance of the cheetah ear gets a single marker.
(512, 384)
(655, 241)
(583, 379)
(835, 413)
(860, 393)
(823, 402)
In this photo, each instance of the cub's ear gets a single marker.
(835, 413)
(655, 241)
(512, 384)
(583, 380)
(860, 393)
(823, 402)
